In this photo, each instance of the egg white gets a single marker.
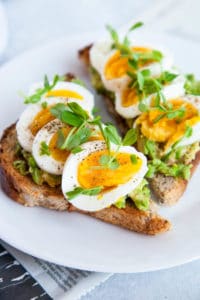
(195, 136)
(92, 203)
(86, 103)
(47, 162)
(173, 90)
(102, 51)
(193, 99)
(24, 135)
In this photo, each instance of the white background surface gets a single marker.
(34, 22)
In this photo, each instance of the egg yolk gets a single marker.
(41, 119)
(167, 130)
(45, 116)
(129, 97)
(117, 65)
(64, 93)
(89, 176)
(61, 155)
(56, 153)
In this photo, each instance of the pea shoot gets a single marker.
(73, 115)
(47, 86)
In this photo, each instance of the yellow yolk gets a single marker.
(61, 155)
(56, 153)
(129, 97)
(41, 119)
(64, 93)
(90, 177)
(167, 130)
(96, 136)
(117, 66)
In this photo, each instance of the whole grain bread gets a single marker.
(23, 190)
(167, 189)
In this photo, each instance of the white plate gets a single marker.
(79, 241)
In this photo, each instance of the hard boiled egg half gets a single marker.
(113, 67)
(35, 116)
(83, 170)
(127, 100)
(177, 131)
(53, 159)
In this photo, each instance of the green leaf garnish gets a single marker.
(61, 138)
(78, 110)
(188, 131)
(143, 107)
(130, 137)
(108, 161)
(192, 86)
(113, 164)
(57, 110)
(70, 118)
(44, 149)
(167, 109)
(140, 80)
(136, 25)
(71, 114)
(113, 33)
(81, 191)
(76, 138)
(112, 134)
(77, 150)
(134, 159)
(44, 104)
(36, 97)
(167, 77)
(104, 159)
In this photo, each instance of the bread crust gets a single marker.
(23, 190)
(146, 222)
(20, 188)
(167, 189)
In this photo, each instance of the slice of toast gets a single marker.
(23, 190)
(167, 189)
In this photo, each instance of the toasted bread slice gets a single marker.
(23, 190)
(167, 189)
(20, 188)
(131, 218)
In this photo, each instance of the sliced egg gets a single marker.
(54, 160)
(173, 131)
(82, 170)
(113, 68)
(69, 91)
(35, 116)
(179, 136)
(127, 100)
